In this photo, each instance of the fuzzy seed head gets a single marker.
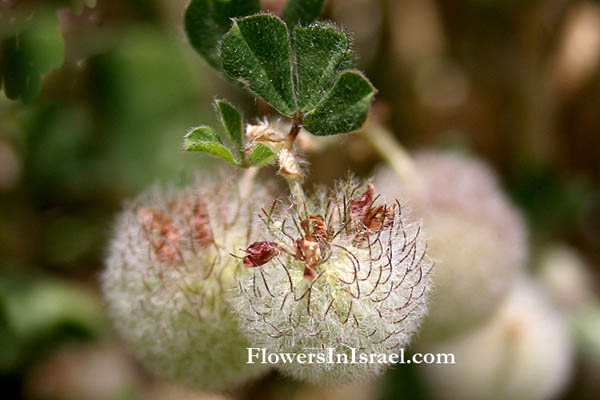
(523, 353)
(476, 236)
(347, 273)
(166, 274)
(566, 277)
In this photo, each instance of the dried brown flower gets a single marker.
(260, 253)
(309, 252)
(315, 228)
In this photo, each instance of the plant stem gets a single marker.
(394, 154)
(299, 197)
(246, 182)
(294, 131)
(245, 189)
(288, 156)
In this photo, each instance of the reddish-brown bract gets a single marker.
(162, 234)
(315, 228)
(360, 205)
(260, 253)
(368, 218)
(201, 231)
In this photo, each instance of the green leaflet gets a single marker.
(261, 154)
(344, 108)
(256, 52)
(206, 21)
(232, 122)
(322, 52)
(204, 139)
(302, 12)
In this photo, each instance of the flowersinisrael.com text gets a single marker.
(257, 355)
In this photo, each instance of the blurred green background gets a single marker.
(96, 97)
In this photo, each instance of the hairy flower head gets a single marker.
(476, 236)
(166, 273)
(345, 273)
(566, 277)
(524, 353)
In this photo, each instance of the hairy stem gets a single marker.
(247, 181)
(394, 154)
(299, 197)
(245, 189)
(289, 167)
(294, 131)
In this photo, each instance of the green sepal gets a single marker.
(261, 154)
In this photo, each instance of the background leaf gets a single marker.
(27, 55)
(232, 122)
(40, 311)
(206, 21)
(77, 6)
(302, 12)
(205, 139)
(322, 52)
(256, 52)
(261, 154)
(344, 108)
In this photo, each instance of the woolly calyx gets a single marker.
(346, 274)
(523, 353)
(166, 274)
(280, 137)
(476, 236)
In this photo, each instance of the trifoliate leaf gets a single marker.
(344, 108)
(256, 52)
(322, 52)
(307, 78)
(232, 122)
(206, 21)
(261, 154)
(205, 139)
(302, 12)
